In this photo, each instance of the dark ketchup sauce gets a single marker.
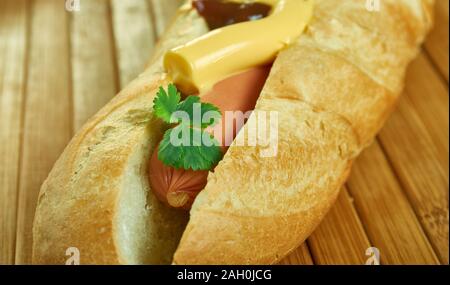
(220, 13)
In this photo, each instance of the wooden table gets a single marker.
(57, 68)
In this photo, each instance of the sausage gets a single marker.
(179, 187)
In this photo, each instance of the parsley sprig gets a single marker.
(187, 145)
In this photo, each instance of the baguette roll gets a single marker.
(333, 89)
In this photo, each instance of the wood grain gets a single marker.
(386, 213)
(429, 99)
(48, 125)
(163, 11)
(13, 35)
(437, 42)
(340, 238)
(134, 37)
(419, 155)
(300, 256)
(418, 164)
(93, 60)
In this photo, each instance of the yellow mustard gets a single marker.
(199, 64)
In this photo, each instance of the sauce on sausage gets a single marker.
(219, 13)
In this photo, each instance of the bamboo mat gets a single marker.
(57, 68)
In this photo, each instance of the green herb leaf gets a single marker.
(166, 103)
(191, 154)
(187, 145)
(193, 103)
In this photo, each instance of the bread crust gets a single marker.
(331, 97)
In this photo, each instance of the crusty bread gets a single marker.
(333, 89)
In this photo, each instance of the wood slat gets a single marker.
(437, 42)
(47, 111)
(340, 238)
(93, 59)
(429, 100)
(13, 35)
(420, 154)
(163, 13)
(134, 37)
(417, 162)
(388, 218)
(300, 256)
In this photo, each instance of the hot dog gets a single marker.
(198, 65)
(332, 86)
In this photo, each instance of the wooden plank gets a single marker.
(340, 238)
(93, 60)
(388, 218)
(437, 41)
(423, 117)
(48, 125)
(134, 37)
(429, 99)
(13, 35)
(163, 13)
(418, 164)
(300, 256)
